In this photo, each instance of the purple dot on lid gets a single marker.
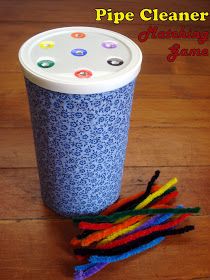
(109, 45)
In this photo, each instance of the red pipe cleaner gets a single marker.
(166, 199)
(101, 226)
(136, 235)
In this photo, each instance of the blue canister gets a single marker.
(80, 83)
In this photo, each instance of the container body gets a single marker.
(80, 142)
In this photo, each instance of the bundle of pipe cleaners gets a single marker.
(128, 227)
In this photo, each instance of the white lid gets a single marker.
(80, 60)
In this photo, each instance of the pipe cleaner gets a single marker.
(155, 220)
(113, 236)
(140, 249)
(145, 211)
(80, 275)
(96, 236)
(110, 259)
(125, 203)
(100, 226)
(128, 227)
(125, 239)
(76, 242)
(141, 204)
(144, 195)
(134, 242)
(118, 229)
(156, 194)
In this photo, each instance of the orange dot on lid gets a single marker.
(78, 35)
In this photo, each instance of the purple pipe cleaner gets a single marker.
(158, 219)
(80, 275)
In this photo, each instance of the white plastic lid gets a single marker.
(80, 60)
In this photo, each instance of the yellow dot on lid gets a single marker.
(47, 44)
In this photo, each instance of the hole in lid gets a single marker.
(79, 52)
(47, 44)
(109, 45)
(78, 35)
(115, 61)
(83, 73)
(45, 63)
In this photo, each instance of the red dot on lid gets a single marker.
(83, 73)
(78, 35)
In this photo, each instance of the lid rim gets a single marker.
(86, 86)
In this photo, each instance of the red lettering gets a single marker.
(143, 36)
(205, 52)
(174, 52)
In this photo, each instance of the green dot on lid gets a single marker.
(46, 63)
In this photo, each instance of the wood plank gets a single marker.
(152, 64)
(22, 198)
(154, 51)
(20, 32)
(168, 147)
(16, 149)
(67, 11)
(169, 130)
(146, 112)
(193, 183)
(170, 113)
(154, 99)
(146, 147)
(173, 86)
(41, 250)
(158, 64)
(148, 86)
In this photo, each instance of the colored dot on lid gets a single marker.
(47, 44)
(78, 35)
(79, 52)
(83, 73)
(114, 61)
(45, 63)
(109, 45)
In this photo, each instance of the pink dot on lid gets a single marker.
(78, 35)
(83, 73)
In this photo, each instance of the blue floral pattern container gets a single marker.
(80, 83)
(80, 145)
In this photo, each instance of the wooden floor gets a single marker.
(170, 130)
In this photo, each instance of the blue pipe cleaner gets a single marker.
(140, 249)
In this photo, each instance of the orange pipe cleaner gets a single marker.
(96, 236)
(101, 226)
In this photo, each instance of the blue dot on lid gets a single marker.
(79, 52)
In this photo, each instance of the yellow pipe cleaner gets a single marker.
(151, 197)
(96, 236)
(120, 232)
(154, 195)
(141, 205)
